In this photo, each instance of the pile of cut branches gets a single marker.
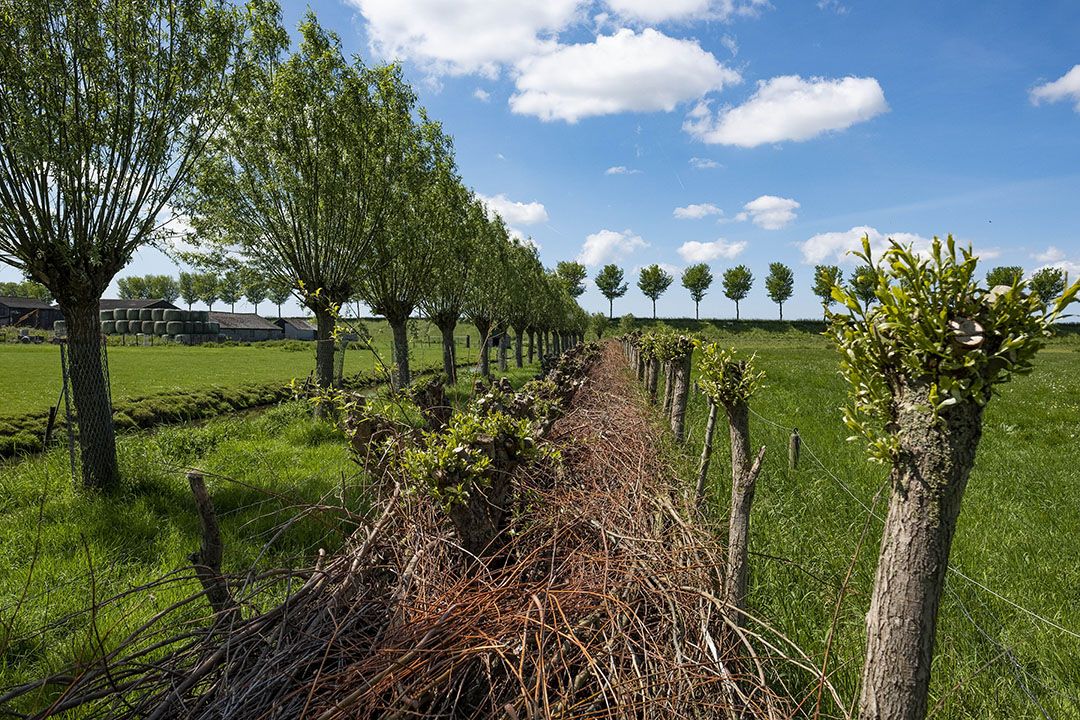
(599, 596)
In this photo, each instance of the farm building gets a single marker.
(28, 312)
(296, 328)
(246, 327)
(137, 304)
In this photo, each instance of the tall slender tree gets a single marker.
(398, 271)
(654, 282)
(300, 180)
(278, 291)
(610, 282)
(737, 283)
(208, 285)
(255, 287)
(1048, 284)
(461, 218)
(779, 284)
(104, 109)
(697, 278)
(230, 288)
(189, 288)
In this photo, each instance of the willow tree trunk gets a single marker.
(484, 328)
(504, 343)
(652, 377)
(681, 395)
(401, 352)
(519, 360)
(449, 352)
(90, 392)
(532, 345)
(742, 497)
(928, 481)
(324, 348)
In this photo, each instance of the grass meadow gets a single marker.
(814, 545)
(66, 549)
(31, 381)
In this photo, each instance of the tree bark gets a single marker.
(706, 456)
(90, 392)
(928, 481)
(324, 348)
(781, 310)
(697, 315)
(610, 309)
(449, 352)
(401, 351)
(518, 343)
(504, 343)
(736, 309)
(484, 328)
(743, 483)
(681, 395)
(652, 377)
(654, 309)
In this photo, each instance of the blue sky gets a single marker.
(746, 132)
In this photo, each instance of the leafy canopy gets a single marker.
(654, 281)
(779, 283)
(826, 277)
(724, 378)
(610, 282)
(697, 278)
(737, 282)
(936, 328)
(573, 276)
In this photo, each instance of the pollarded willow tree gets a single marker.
(398, 271)
(460, 219)
(300, 180)
(527, 289)
(104, 109)
(923, 362)
(489, 293)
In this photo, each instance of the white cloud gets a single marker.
(789, 108)
(621, 170)
(1052, 254)
(703, 163)
(513, 212)
(500, 156)
(655, 11)
(1066, 87)
(624, 72)
(835, 246)
(481, 94)
(696, 212)
(770, 212)
(695, 251)
(607, 245)
(457, 37)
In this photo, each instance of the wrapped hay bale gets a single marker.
(121, 327)
(183, 339)
(170, 315)
(214, 327)
(146, 314)
(189, 327)
(161, 327)
(202, 315)
(174, 327)
(119, 314)
(108, 326)
(157, 314)
(104, 315)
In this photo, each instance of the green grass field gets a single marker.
(65, 548)
(31, 378)
(1017, 536)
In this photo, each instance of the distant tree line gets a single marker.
(25, 289)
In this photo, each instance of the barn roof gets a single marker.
(135, 303)
(26, 303)
(298, 323)
(242, 321)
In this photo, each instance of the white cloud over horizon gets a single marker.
(703, 163)
(694, 251)
(621, 170)
(1066, 87)
(789, 108)
(696, 211)
(627, 71)
(514, 212)
(608, 245)
(460, 37)
(770, 212)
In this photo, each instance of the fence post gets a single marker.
(794, 444)
(207, 560)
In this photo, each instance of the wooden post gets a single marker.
(793, 449)
(706, 455)
(207, 560)
(681, 395)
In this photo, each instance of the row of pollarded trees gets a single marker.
(316, 169)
